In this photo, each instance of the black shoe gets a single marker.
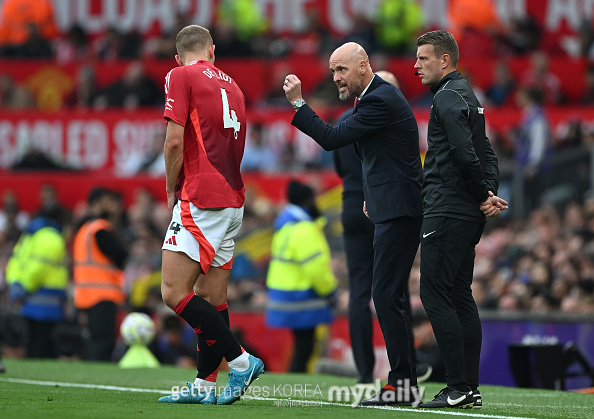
(2, 367)
(450, 397)
(390, 396)
(478, 400)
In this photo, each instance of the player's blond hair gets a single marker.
(193, 38)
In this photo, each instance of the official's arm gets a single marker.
(452, 112)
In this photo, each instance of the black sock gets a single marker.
(207, 360)
(205, 319)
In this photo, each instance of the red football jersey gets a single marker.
(211, 108)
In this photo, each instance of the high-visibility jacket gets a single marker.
(96, 278)
(17, 15)
(37, 273)
(300, 279)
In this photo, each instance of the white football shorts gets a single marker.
(205, 235)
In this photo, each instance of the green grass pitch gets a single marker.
(53, 389)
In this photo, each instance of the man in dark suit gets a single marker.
(358, 232)
(385, 134)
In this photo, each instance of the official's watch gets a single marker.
(298, 103)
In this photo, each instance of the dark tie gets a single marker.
(356, 101)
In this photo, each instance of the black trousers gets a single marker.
(102, 331)
(304, 345)
(395, 247)
(40, 339)
(358, 244)
(447, 264)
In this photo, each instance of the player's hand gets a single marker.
(292, 88)
(171, 200)
(365, 209)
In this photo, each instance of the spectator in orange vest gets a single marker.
(99, 258)
(20, 18)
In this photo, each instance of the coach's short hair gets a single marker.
(443, 42)
(193, 38)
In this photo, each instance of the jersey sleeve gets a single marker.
(177, 96)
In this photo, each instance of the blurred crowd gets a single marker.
(28, 31)
(540, 264)
(540, 260)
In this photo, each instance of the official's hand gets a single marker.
(493, 206)
(365, 209)
(292, 88)
(171, 200)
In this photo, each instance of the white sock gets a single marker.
(204, 384)
(241, 363)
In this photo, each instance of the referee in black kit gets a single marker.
(461, 180)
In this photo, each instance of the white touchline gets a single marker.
(316, 402)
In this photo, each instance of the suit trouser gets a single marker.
(447, 264)
(395, 247)
(358, 243)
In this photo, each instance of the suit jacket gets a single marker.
(385, 131)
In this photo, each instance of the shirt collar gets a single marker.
(454, 75)
(363, 92)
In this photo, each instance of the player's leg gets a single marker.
(245, 368)
(179, 276)
(213, 288)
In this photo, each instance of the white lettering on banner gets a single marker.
(291, 15)
(19, 139)
(574, 12)
(341, 19)
(560, 10)
(92, 23)
(435, 13)
(509, 9)
(86, 144)
(157, 11)
(96, 145)
(8, 149)
(286, 15)
(130, 15)
(133, 142)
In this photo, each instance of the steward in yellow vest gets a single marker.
(38, 278)
(300, 280)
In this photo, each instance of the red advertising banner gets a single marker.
(115, 141)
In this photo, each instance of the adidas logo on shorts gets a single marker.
(171, 241)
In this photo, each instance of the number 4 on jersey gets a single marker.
(229, 116)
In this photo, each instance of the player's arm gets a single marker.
(174, 152)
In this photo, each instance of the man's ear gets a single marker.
(445, 60)
(178, 61)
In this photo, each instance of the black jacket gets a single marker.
(348, 166)
(460, 165)
(386, 134)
